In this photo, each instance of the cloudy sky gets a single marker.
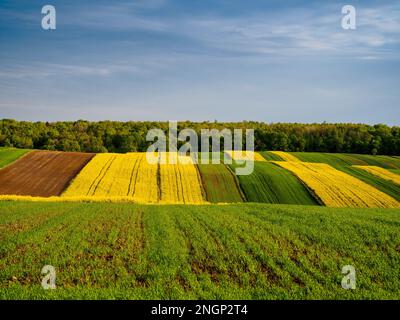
(229, 60)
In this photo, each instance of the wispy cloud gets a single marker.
(312, 30)
(301, 33)
(290, 32)
(144, 66)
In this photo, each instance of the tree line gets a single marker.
(120, 137)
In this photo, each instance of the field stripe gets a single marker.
(270, 156)
(42, 173)
(245, 155)
(97, 180)
(270, 183)
(381, 173)
(338, 189)
(285, 156)
(180, 183)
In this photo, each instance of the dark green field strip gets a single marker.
(219, 183)
(268, 155)
(396, 171)
(243, 251)
(333, 159)
(9, 155)
(341, 159)
(272, 184)
(379, 161)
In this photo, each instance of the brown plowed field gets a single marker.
(42, 173)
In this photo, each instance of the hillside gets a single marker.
(335, 180)
(247, 251)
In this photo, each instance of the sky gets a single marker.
(201, 60)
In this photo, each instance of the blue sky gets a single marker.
(230, 60)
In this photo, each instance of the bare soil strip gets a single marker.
(42, 173)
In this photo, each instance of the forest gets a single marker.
(121, 137)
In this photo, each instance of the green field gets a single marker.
(8, 155)
(245, 251)
(333, 159)
(220, 183)
(386, 162)
(268, 155)
(272, 184)
(341, 159)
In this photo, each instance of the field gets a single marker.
(270, 156)
(220, 184)
(272, 184)
(130, 175)
(338, 189)
(41, 173)
(383, 185)
(117, 175)
(382, 173)
(112, 177)
(9, 155)
(340, 159)
(245, 155)
(285, 156)
(242, 251)
(352, 164)
(290, 248)
(180, 183)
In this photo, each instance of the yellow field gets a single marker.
(85, 182)
(144, 186)
(338, 189)
(381, 173)
(130, 175)
(180, 183)
(245, 155)
(117, 175)
(285, 156)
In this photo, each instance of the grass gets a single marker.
(219, 183)
(9, 155)
(272, 184)
(245, 251)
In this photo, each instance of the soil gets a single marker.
(42, 173)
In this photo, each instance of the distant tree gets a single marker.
(113, 136)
